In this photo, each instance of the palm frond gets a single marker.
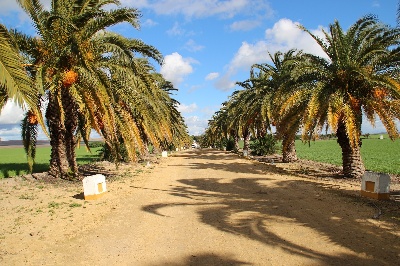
(29, 134)
(14, 80)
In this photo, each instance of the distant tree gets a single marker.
(276, 86)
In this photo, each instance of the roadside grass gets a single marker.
(13, 160)
(378, 155)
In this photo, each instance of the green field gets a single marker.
(13, 160)
(379, 155)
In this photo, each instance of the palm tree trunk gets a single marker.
(262, 131)
(353, 166)
(288, 148)
(59, 167)
(146, 147)
(246, 143)
(235, 137)
(71, 124)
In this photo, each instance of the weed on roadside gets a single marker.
(27, 197)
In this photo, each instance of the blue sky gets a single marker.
(208, 45)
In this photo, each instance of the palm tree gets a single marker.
(276, 84)
(360, 76)
(251, 110)
(218, 128)
(257, 107)
(75, 62)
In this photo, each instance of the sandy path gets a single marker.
(202, 208)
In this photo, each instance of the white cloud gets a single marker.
(209, 111)
(244, 25)
(367, 127)
(187, 108)
(149, 23)
(176, 30)
(198, 9)
(175, 68)
(247, 55)
(196, 125)
(376, 4)
(192, 46)
(212, 75)
(13, 133)
(194, 88)
(224, 83)
(284, 35)
(9, 6)
(11, 114)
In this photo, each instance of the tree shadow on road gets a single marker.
(206, 259)
(253, 207)
(15, 169)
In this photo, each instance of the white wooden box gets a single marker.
(375, 185)
(94, 186)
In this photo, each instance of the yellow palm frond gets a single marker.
(350, 120)
(387, 117)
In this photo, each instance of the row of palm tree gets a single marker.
(85, 77)
(303, 92)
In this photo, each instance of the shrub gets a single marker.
(107, 155)
(230, 144)
(96, 144)
(263, 145)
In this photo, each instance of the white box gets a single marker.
(164, 154)
(375, 185)
(94, 186)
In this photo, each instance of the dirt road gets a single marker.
(199, 207)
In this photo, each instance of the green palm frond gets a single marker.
(14, 81)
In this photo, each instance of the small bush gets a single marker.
(263, 145)
(230, 144)
(96, 144)
(107, 155)
(221, 144)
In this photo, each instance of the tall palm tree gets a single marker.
(276, 83)
(251, 110)
(75, 61)
(360, 76)
(218, 127)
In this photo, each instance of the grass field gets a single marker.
(379, 155)
(13, 160)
